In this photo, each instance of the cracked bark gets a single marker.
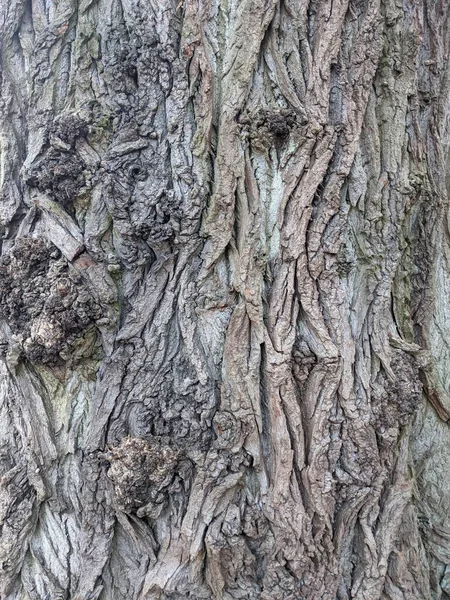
(223, 297)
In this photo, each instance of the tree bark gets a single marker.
(224, 283)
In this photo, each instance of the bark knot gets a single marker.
(142, 473)
(43, 300)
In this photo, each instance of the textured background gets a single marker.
(224, 300)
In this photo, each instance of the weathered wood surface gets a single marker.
(224, 300)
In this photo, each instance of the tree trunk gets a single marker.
(224, 294)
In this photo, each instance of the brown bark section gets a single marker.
(224, 287)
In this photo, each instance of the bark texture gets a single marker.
(224, 300)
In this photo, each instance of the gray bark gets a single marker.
(224, 283)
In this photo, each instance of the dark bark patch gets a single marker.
(393, 402)
(269, 127)
(69, 128)
(42, 301)
(58, 174)
(153, 218)
(279, 123)
(60, 171)
(164, 218)
(142, 473)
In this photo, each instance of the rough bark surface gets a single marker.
(224, 284)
